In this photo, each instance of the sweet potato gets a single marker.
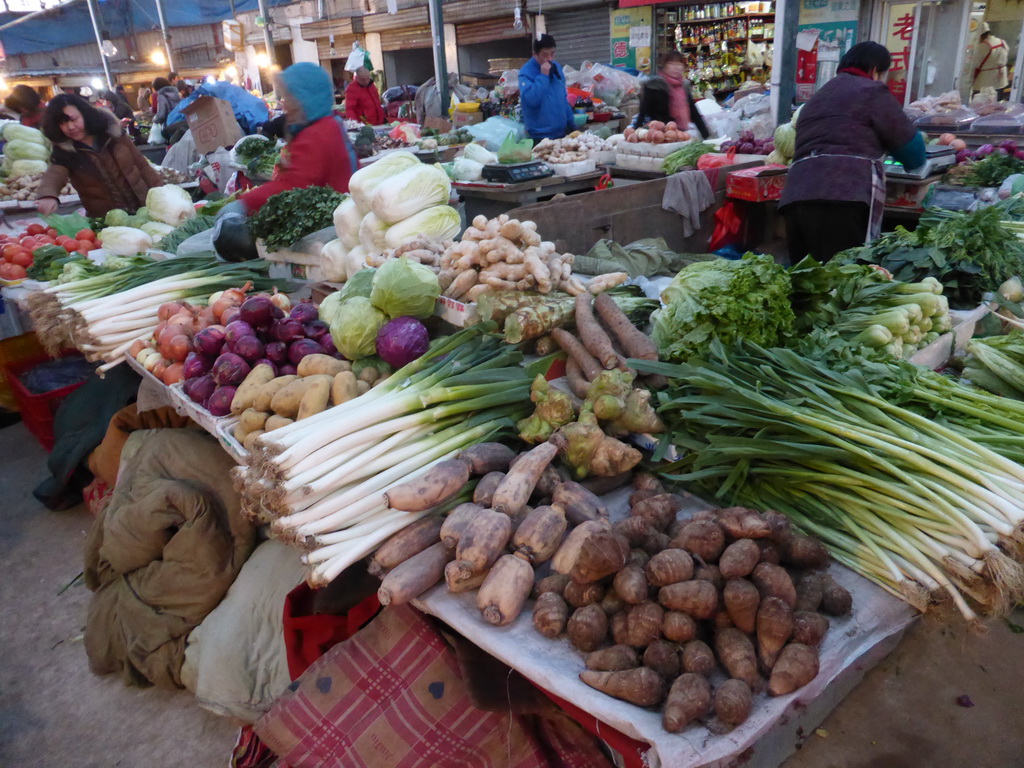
(773, 581)
(697, 598)
(835, 600)
(313, 365)
(774, 628)
(643, 624)
(587, 628)
(663, 658)
(641, 686)
(316, 397)
(484, 491)
(504, 592)
(266, 394)
(555, 582)
(733, 701)
(739, 558)
(688, 699)
(515, 490)
(698, 658)
(741, 601)
(484, 458)
(678, 627)
(803, 551)
(540, 534)
(579, 595)
(736, 653)
(809, 628)
(483, 540)
(568, 553)
(601, 554)
(669, 566)
(703, 538)
(661, 510)
(743, 523)
(575, 349)
(550, 614)
(631, 584)
(435, 486)
(711, 573)
(796, 666)
(810, 589)
(248, 390)
(613, 659)
(415, 576)
(459, 578)
(579, 504)
(409, 541)
(456, 521)
(345, 387)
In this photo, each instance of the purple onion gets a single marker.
(277, 312)
(287, 370)
(1009, 145)
(288, 329)
(236, 330)
(316, 329)
(230, 369)
(219, 403)
(264, 361)
(196, 365)
(327, 342)
(249, 348)
(201, 388)
(963, 155)
(305, 312)
(209, 341)
(301, 348)
(277, 351)
(984, 150)
(257, 311)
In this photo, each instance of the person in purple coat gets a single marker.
(835, 189)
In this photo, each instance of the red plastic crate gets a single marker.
(37, 411)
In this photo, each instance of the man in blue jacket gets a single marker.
(546, 110)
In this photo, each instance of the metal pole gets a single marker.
(99, 42)
(268, 36)
(167, 37)
(784, 69)
(440, 60)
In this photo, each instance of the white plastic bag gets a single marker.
(356, 59)
(493, 130)
(156, 134)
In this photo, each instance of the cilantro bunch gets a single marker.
(291, 215)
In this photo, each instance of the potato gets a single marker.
(316, 397)
(344, 388)
(276, 422)
(267, 392)
(313, 365)
(240, 432)
(369, 374)
(252, 420)
(362, 387)
(246, 394)
(250, 440)
(288, 400)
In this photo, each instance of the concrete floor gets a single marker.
(54, 713)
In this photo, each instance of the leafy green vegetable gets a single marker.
(354, 328)
(291, 215)
(47, 262)
(990, 171)
(728, 300)
(686, 157)
(252, 147)
(67, 224)
(185, 230)
(360, 284)
(263, 165)
(405, 287)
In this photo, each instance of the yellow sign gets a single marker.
(631, 37)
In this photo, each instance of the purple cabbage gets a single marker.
(305, 312)
(219, 403)
(257, 311)
(301, 348)
(209, 341)
(402, 340)
(199, 390)
(230, 369)
(196, 365)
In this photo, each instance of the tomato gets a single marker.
(9, 249)
(12, 272)
(51, 232)
(65, 241)
(86, 234)
(27, 241)
(46, 240)
(22, 259)
(35, 229)
(84, 246)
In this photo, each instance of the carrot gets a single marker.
(575, 349)
(635, 342)
(594, 339)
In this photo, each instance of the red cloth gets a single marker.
(362, 102)
(632, 750)
(153, 102)
(318, 156)
(308, 636)
(678, 103)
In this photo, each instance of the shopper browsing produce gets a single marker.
(362, 101)
(835, 191)
(92, 152)
(542, 92)
(667, 98)
(24, 101)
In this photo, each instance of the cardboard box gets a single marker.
(438, 124)
(757, 184)
(213, 124)
(458, 313)
(462, 119)
(908, 195)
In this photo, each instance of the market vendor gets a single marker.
(27, 104)
(362, 100)
(835, 189)
(318, 152)
(667, 98)
(543, 94)
(92, 152)
(990, 70)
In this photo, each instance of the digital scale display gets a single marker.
(516, 173)
(939, 159)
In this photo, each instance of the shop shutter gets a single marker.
(404, 39)
(489, 31)
(581, 35)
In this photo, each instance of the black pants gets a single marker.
(823, 228)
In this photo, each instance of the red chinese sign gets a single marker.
(899, 41)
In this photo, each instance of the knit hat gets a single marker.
(983, 28)
(311, 87)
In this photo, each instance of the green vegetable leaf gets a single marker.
(291, 215)
(67, 224)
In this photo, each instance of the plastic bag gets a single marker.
(716, 160)
(728, 225)
(467, 170)
(356, 59)
(513, 151)
(156, 134)
(612, 86)
(200, 244)
(493, 130)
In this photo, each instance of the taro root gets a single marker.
(739, 559)
(669, 567)
(631, 584)
(678, 627)
(697, 657)
(588, 627)
(663, 658)
(641, 686)
(613, 659)
(835, 600)
(773, 581)
(688, 699)
(796, 666)
(550, 614)
(643, 624)
(703, 538)
(733, 700)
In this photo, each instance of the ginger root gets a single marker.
(589, 451)
(554, 409)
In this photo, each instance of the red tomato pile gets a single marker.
(16, 250)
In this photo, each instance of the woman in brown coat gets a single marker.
(91, 151)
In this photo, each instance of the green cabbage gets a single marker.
(728, 300)
(359, 284)
(124, 241)
(785, 139)
(354, 326)
(19, 132)
(116, 217)
(157, 230)
(27, 167)
(441, 222)
(365, 180)
(19, 149)
(170, 204)
(143, 214)
(405, 287)
(409, 192)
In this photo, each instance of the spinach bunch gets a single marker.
(291, 215)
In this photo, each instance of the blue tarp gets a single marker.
(249, 110)
(118, 18)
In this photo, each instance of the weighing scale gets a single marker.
(939, 158)
(516, 173)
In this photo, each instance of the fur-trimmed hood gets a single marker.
(113, 131)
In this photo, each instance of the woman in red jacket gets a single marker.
(318, 152)
(362, 100)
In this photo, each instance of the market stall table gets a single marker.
(490, 199)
